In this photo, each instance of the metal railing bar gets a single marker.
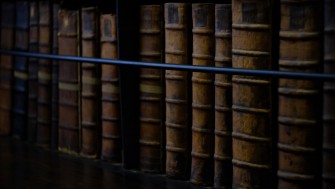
(221, 70)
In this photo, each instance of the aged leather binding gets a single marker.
(151, 91)
(6, 66)
(44, 75)
(299, 100)
(111, 131)
(20, 86)
(69, 83)
(32, 71)
(328, 170)
(252, 129)
(223, 98)
(90, 83)
(202, 165)
(177, 97)
(54, 79)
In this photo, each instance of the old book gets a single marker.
(32, 71)
(90, 84)
(69, 83)
(54, 79)
(111, 128)
(177, 95)
(328, 167)
(6, 66)
(202, 165)
(151, 91)
(44, 75)
(252, 129)
(223, 98)
(20, 85)
(299, 100)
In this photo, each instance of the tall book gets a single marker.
(111, 127)
(32, 71)
(252, 127)
(328, 167)
(6, 65)
(151, 91)
(20, 85)
(223, 98)
(299, 100)
(90, 84)
(54, 79)
(69, 83)
(177, 96)
(202, 165)
(44, 75)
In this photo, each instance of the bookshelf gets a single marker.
(128, 20)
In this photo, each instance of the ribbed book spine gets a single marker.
(202, 165)
(151, 92)
(252, 127)
(299, 100)
(177, 96)
(90, 83)
(328, 168)
(6, 66)
(223, 98)
(20, 86)
(54, 79)
(111, 128)
(32, 71)
(43, 131)
(69, 83)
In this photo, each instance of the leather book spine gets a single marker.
(299, 100)
(20, 86)
(223, 98)
(202, 163)
(32, 71)
(328, 167)
(6, 66)
(252, 127)
(44, 75)
(110, 78)
(90, 84)
(151, 91)
(69, 83)
(177, 96)
(54, 79)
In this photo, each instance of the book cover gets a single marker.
(151, 90)
(110, 78)
(202, 163)
(299, 100)
(177, 97)
(223, 98)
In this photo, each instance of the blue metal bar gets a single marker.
(230, 71)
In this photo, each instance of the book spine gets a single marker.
(328, 167)
(54, 79)
(20, 86)
(68, 83)
(299, 100)
(32, 71)
(252, 129)
(202, 164)
(223, 98)
(44, 75)
(111, 128)
(90, 82)
(6, 66)
(177, 94)
(151, 93)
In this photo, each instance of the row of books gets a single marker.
(213, 129)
